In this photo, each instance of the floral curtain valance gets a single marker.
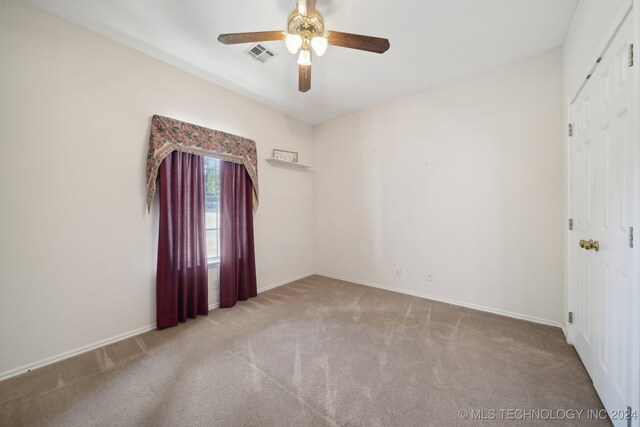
(168, 135)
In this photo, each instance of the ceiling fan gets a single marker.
(305, 33)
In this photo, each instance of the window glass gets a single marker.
(212, 206)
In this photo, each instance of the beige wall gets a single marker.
(463, 181)
(77, 258)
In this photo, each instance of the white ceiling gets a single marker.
(431, 41)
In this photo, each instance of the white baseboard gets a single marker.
(67, 354)
(284, 282)
(449, 301)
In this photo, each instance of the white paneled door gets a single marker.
(603, 186)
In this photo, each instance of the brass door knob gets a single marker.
(591, 244)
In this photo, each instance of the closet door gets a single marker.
(585, 167)
(603, 187)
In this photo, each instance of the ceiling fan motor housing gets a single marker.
(306, 27)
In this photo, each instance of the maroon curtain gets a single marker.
(181, 282)
(237, 255)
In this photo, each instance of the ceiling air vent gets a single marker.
(260, 53)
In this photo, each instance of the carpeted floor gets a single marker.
(316, 352)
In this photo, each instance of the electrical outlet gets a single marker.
(429, 277)
(398, 272)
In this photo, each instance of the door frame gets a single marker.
(631, 8)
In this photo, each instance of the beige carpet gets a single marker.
(315, 352)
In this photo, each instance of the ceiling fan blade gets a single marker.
(260, 36)
(307, 7)
(304, 78)
(355, 41)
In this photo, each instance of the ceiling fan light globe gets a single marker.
(293, 43)
(319, 45)
(304, 58)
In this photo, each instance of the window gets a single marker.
(212, 207)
